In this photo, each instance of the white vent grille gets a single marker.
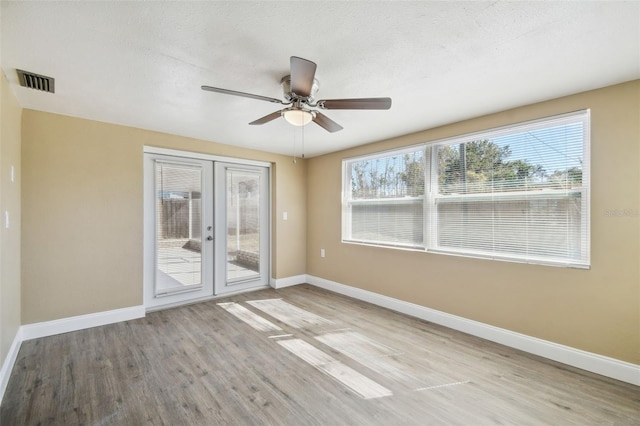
(36, 81)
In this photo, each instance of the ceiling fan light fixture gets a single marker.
(297, 117)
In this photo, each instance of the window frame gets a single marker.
(431, 198)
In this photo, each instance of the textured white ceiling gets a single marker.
(142, 64)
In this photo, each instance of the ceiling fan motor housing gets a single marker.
(290, 96)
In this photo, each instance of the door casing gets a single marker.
(149, 258)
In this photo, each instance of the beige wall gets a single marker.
(83, 213)
(10, 116)
(597, 310)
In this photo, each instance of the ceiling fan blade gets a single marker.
(267, 118)
(326, 123)
(302, 74)
(245, 95)
(361, 103)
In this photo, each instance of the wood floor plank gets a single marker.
(197, 364)
(244, 314)
(289, 314)
(355, 381)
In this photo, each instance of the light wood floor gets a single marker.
(333, 361)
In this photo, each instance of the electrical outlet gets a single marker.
(322, 253)
(285, 216)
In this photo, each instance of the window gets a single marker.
(385, 198)
(517, 193)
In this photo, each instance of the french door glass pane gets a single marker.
(178, 227)
(243, 224)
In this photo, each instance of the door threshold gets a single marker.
(202, 299)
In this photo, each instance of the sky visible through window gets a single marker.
(556, 148)
(527, 160)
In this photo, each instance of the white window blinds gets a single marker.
(516, 193)
(519, 194)
(384, 198)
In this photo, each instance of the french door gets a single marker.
(206, 228)
(242, 218)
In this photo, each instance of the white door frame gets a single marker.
(149, 246)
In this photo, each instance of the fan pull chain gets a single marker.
(294, 146)
(295, 157)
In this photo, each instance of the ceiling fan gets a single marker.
(299, 88)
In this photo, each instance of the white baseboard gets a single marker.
(80, 322)
(288, 281)
(9, 362)
(606, 366)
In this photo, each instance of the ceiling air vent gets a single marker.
(36, 81)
